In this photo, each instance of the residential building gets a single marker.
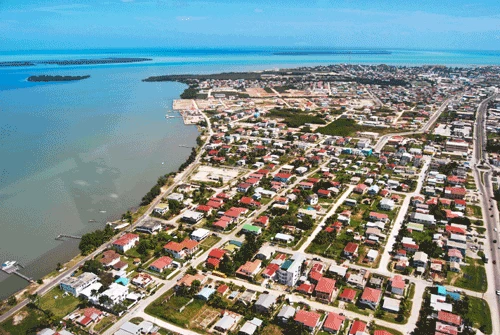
(75, 285)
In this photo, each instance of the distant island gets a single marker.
(3, 64)
(339, 52)
(47, 78)
(76, 62)
(95, 61)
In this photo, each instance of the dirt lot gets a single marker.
(212, 174)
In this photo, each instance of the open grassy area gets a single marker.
(168, 310)
(59, 304)
(473, 277)
(31, 322)
(295, 117)
(272, 329)
(105, 323)
(479, 314)
(475, 211)
(209, 242)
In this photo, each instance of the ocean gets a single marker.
(75, 155)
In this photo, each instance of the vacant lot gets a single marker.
(479, 314)
(473, 277)
(168, 310)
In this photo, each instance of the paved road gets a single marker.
(383, 140)
(320, 227)
(490, 217)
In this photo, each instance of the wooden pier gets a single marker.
(62, 236)
(14, 270)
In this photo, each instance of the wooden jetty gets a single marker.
(62, 236)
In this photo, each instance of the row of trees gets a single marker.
(94, 239)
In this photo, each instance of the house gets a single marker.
(312, 199)
(397, 284)
(358, 327)
(324, 289)
(248, 228)
(351, 250)
(306, 288)
(200, 234)
(286, 313)
(149, 226)
(289, 272)
(371, 256)
(347, 295)
(360, 189)
(205, 293)
(109, 258)
(161, 264)
(449, 318)
(387, 204)
(357, 279)
(333, 323)
(181, 250)
(455, 255)
(391, 305)
(129, 328)
(142, 280)
(89, 315)
(188, 280)
(227, 322)
(249, 269)
(454, 192)
(426, 219)
(265, 303)
(420, 259)
(190, 216)
(161, 208)
(371, 297)
(115, 293)
(309, 319)
(126, 242)
(270, 270)
(283, 177)
(75, 285)
(350, 202)
(250, 327)
(379, 217)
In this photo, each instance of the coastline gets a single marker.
(138, 212)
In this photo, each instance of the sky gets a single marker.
(83, 24)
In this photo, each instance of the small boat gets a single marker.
(169, 116)
(102, 211)
(8, 264)
(92, 220)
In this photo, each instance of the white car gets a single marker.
(495, 229)
(498, 292)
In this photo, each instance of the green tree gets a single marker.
(93, 266)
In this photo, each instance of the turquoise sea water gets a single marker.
(89, 150)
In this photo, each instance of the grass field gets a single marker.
(210, 242)
(473, 277)
(60, 305)
(169, 310)
(29, 324)
(479, 314)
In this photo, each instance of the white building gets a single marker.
(75, 285)
(200, 234)
(289, 272)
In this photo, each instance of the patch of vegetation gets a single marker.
(473, 277)
(340, 127)
(295, 117)
(479, 315)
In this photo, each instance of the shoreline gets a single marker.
(35, 286)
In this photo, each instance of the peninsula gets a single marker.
(48, 78)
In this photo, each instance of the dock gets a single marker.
(15, 270)
(62, 236)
